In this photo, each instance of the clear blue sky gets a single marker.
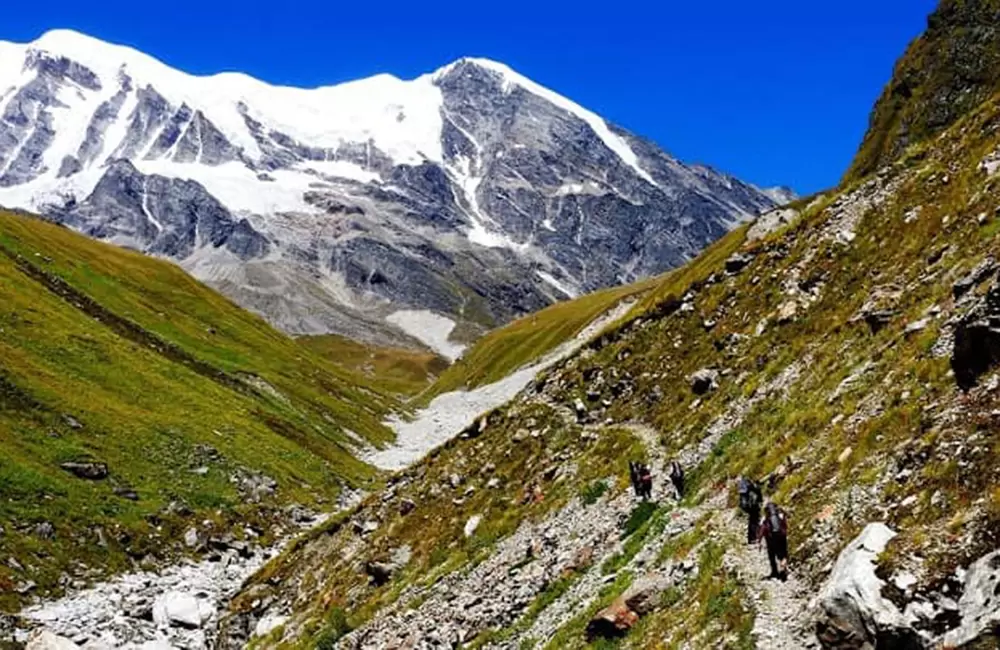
(776, 92)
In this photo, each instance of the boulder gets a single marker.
(472, 525)
(179, 609)
(612, 622)
(770, 222)
(979, 607)
(645, 594)
(379, 572)
(976, 347)
(191, 538)
(406, 506)
(703, 381)
(45, 640)
(974, 278)
(86, 470)
(737, 262)
(851, 613)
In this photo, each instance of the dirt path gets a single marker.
(782, 607)
(450, 413)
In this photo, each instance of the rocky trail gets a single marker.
(450, 413)
(782, 608)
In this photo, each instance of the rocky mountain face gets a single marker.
(470, 192)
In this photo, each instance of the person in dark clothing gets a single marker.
(677, 478)
(774, 531)
(633, 475)
(642, 479)
(750, 503)
(646, 481)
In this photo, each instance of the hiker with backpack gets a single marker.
(645, 481)
(642, 479)
(750, 502)
(677, 478)
(774, 531)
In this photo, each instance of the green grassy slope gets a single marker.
(111, 356)
(504, 350)
(946, 73)
(396, 370)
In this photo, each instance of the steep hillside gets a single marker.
(470, 192)
(136, 403)
(846, 355)
(944, 74)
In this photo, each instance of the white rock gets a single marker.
(979, 605)
(472, 525)
(191, 537)
(850, 605)
(179, 609)
(269, 624)
(45, 640)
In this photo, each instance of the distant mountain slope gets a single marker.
(109, 356)
(471, 192)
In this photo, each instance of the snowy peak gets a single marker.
(471, 192)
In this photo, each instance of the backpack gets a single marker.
(749, 496)
(777, 521)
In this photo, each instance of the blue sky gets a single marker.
(776, 92)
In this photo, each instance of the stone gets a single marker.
(472, 524)
(406, 506)
(645, 593)
(787, 312)
(379, 572)
(851, 612)
(191, 537)
(45, 530)
(612, 622)
(737, 262)
(976, 347)
(844, 456)
(126, 493)
(86, 470)
(703, 381)
(72, 422)
(45, 640)
(974, 278)
(979, 606)
(268, 624)
(179, 609)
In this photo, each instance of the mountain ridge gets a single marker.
(471, 192)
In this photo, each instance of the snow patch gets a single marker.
(563, 288)
(430, 329)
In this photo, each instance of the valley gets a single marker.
(399, 415)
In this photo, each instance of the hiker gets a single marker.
(677, 478)
(645, 481)
(774, 531)
(750, 501)
(633, 476)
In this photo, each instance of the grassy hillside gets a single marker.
(832, 349)
(946, 73)
(504, 350)
(394, 370)
(110, 356)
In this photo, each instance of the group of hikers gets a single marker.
(642, 479)
(766, 522)
(773, 529)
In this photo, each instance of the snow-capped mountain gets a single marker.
(471, 192)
